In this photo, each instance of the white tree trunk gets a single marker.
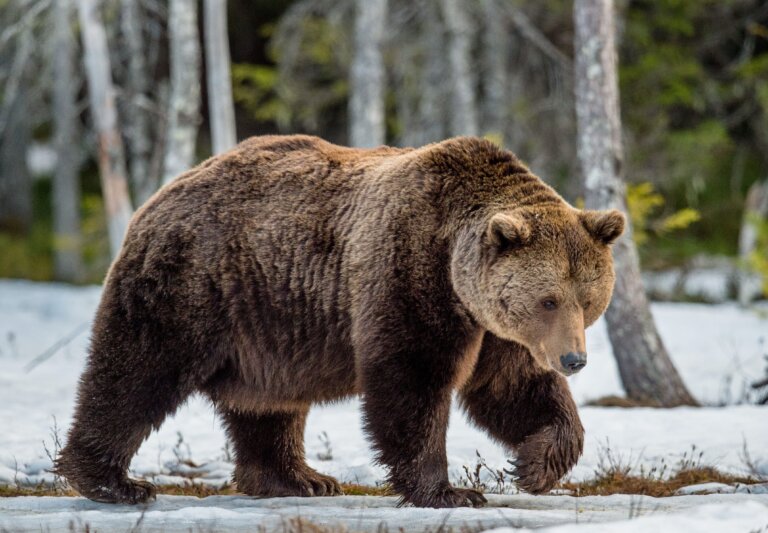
(495, 40)
(15, 179)
(15, 135)
(137, 127)
(367, 126)
(646, 371)
(67, 261)
(184, 99)
(221, 109)
(434, 105)
(464, 109)
(755, 210)
(102, 98)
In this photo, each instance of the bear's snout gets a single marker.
(572, 362)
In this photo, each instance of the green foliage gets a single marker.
(30, 255)
(95, 250)
(305, 86)
(254, 88)
(27, 256)
(643, 202)
(694, 95)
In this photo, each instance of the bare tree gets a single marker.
(464, 109)
(221, 109)
(15, 179)
(136, 89)
(417, 34)
(646, 370)
(184, 99)
(367, 127)
(114, 182)
(66, 184)
(15, 133)
(495, 57)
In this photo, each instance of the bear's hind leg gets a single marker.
(130, 385)
(269, 455)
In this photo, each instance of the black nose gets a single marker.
(573, 362)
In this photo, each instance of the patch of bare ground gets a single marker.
(647, 484)
(200, 490)
(616, 475)
(619, 401)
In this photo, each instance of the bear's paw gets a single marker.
(546, 456)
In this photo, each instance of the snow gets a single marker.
(719, 512)
(714, 518)
(717, 348)
(706, 488)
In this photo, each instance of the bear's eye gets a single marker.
(586, 305)
(549, 304)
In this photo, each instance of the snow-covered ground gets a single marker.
(717, 348)
(717, 513)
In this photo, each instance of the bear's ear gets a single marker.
(604, 226)
(507, 230)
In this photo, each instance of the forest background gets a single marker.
(693, 87)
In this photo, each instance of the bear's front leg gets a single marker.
(527, 408)
(406, 402)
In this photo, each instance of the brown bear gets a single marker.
(291, 271)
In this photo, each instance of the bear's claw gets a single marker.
(127, 491)
(447, 497)
(303, 481)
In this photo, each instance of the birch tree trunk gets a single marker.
(755, 211)
(15, 180)
(494, 42)
(221, 109)
(367, 127)
(15, 135)
(434, 93)
(646, 370)
(114, 183)
(136, 88)
(184, 99)
(464, 108)
(67, 262)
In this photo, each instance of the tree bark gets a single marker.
(67, 261)
(464, 105)
(184, 99)
(114, 182)
(137, 127)
(221, 109)
(646, 370)
(367, 126)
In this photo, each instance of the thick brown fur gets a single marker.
(290, 271)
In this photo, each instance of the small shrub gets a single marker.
(642, 202)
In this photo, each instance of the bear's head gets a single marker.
(538, 276)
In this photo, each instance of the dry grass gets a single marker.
(619, 401)
(353, 489)
(38, 490)
(618, 482)
(606, 483)
(199, 490)
(616, 475)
